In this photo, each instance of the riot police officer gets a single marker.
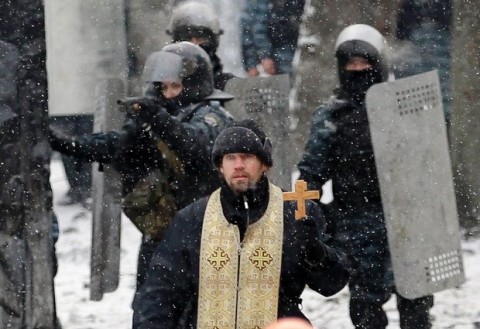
(340, 148)
(163, 150)
(198, 23)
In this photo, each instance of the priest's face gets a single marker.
(242, 171)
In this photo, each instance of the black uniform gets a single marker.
(340, 148)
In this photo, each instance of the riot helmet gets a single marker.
(181, 62)
(193, 19)
(361, 40)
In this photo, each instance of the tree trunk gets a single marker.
(465, 132)
(28, 199)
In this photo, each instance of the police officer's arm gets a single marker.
(329, 273)
(315, 164)
(192, 141)
(100, 147)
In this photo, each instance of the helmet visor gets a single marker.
(164, 66)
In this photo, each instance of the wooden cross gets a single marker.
(300, 195)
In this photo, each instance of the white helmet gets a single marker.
(364, 41)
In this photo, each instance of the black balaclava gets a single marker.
(191, 93)
(354, 84)
(186, 33)
(361, 40)
(172, 105)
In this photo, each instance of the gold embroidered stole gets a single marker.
(239, 285)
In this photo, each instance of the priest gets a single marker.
(241, 257)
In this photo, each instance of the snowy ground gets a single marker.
(454, 309)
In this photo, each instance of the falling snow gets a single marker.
(454, 309)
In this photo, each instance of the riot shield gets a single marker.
(107, 197)
(265, 100)
(413, 164)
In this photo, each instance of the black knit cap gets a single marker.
(243, 136)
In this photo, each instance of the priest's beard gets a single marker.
(240, 187)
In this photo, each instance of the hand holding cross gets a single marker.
(300, 195)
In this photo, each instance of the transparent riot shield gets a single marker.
(413, 164)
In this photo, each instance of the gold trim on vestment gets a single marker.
(239, 284)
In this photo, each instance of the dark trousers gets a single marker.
(364, 239)
(414, 313)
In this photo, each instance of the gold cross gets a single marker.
(260, 258)
(218, 259)
(300, 195)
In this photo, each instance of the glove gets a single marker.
(312, 250)
(59, 141)
(132, 130)
(147, 108)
